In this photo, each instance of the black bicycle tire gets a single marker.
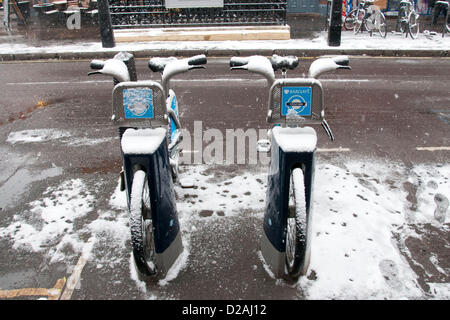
(360, 28)
(141, 227)
(297, 249)
(384, 22)
(446, 24)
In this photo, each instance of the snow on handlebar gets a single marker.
(176, 66)
(112, 67)
(283, 63)
(197, 60)
(238, 62)
(256, 64)
(159, 64)
(323, 65)
(97, 64)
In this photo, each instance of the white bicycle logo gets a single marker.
(297, 103)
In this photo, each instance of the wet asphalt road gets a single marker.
(385, 108)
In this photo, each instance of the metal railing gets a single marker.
(153, 13)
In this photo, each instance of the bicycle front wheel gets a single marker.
(297, 239)
(413, 25)
(359, 21)
(349, 21)
(141, 226)
(381, 24)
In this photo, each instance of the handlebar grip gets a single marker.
(197, 60)
(342, 61)
(97, 64)
(238, 61)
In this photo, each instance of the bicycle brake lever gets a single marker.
(196, 67)
(327, 129)
(244, 67)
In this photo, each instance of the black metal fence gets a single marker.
(153, 13)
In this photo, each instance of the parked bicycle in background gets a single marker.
(367, 17)
(441, 6)
(407, 19)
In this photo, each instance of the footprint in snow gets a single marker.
(441, 207)
(389, 270)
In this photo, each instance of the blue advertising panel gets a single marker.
(296, 101)
(138, 103)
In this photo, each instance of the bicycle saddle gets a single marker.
(288, 62)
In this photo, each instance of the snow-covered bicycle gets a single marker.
(367, 16)
(407, 19)
(444, 7)
(293, 103)
(150, 133)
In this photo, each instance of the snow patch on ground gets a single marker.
(49, 223)
(36, 135)
(353, 252)
(430, 181)
(48, 135)
(217, 194)
(440, 291)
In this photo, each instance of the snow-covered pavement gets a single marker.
(393, 44)
(362, 223)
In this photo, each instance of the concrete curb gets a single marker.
(224, 53)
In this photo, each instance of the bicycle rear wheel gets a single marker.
(141, 226)
(349, 21)
(381, 24)
(446, 25)
(297, 239)
(413, 25)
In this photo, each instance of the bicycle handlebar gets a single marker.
(238, 61)
(159, 64)
(111, 67)
(277, 62)
(175, 66)
(197, 60)
(323, 65)
(97, 64)
(257, 64)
